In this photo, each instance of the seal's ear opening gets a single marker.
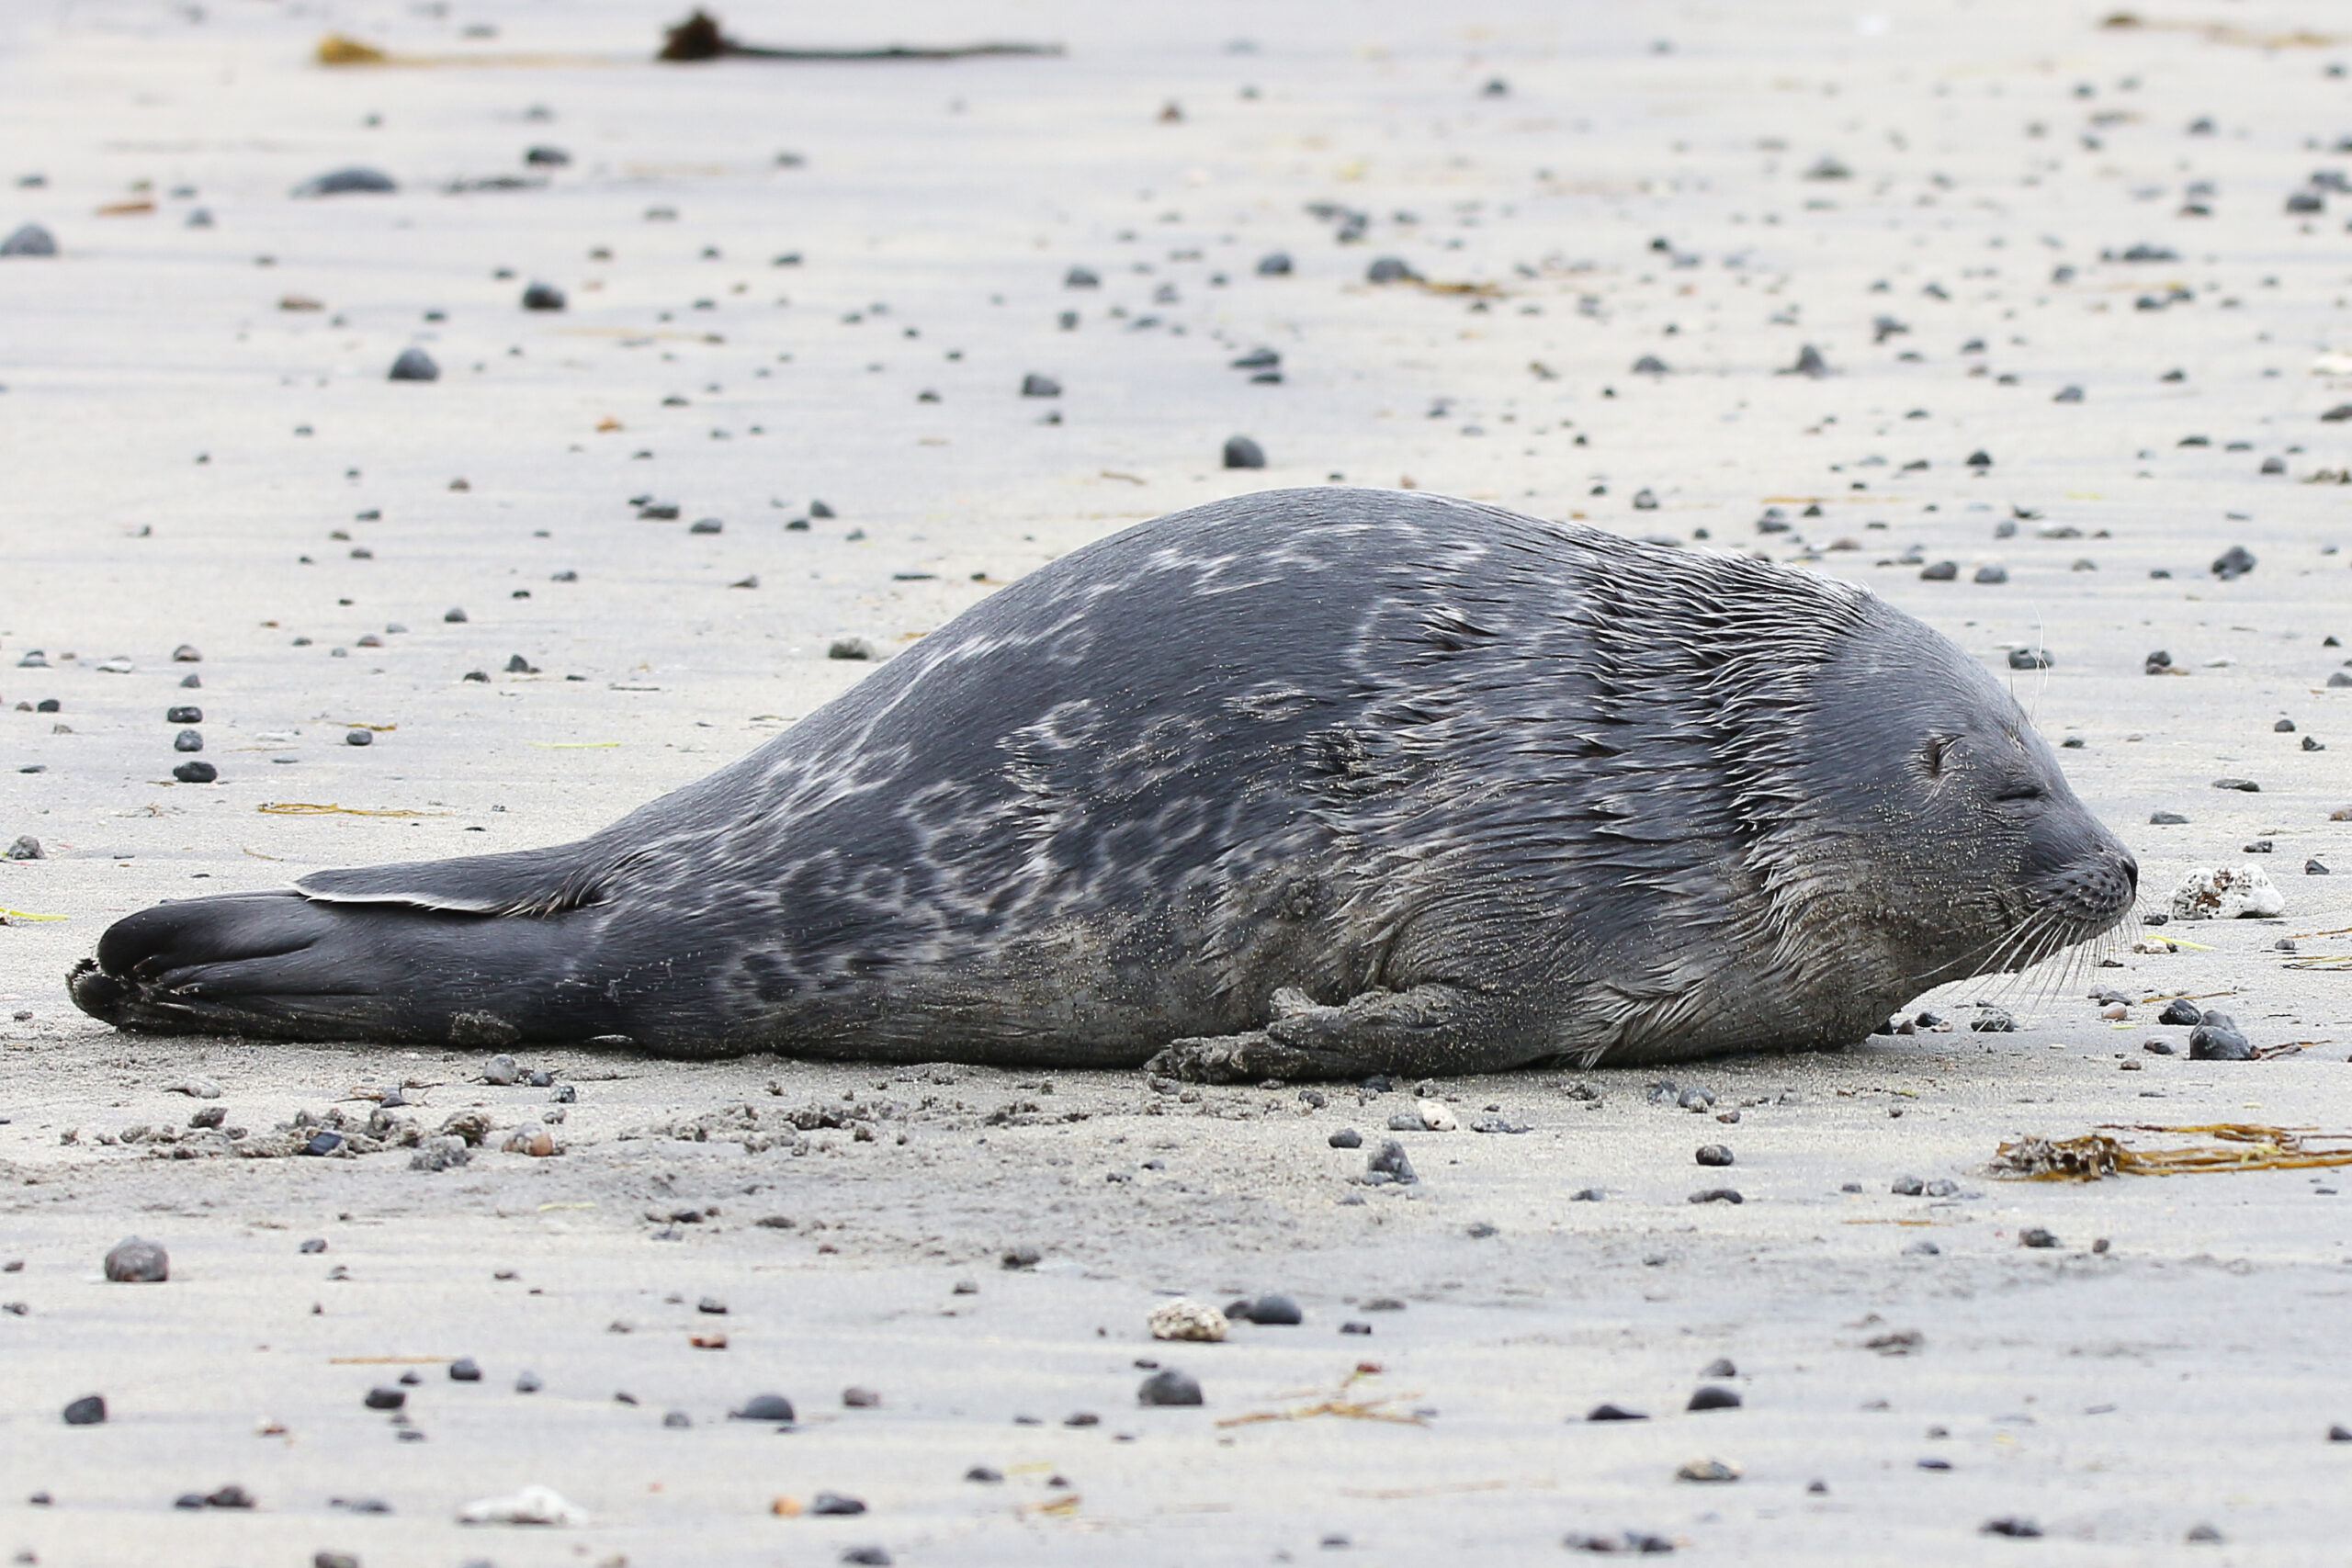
(1934, 753)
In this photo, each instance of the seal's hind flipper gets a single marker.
(282, 965)
(524, 882)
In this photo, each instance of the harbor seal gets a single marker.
(1310, 782)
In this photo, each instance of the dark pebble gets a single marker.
(188, 740)
(2030, 659)
(2166, 819)
(1940, 571)
(464, 1369)
(1168, 1386)
(1279, 1311)
(358, 179)
(1389, 1160)
(849, 647)
(855, 1398)
(1082, 277)
(323, 1142)
(1240, 452)
(1995, 574)
(90, 1410)
(2024, 1530)
(1908, 1187)
(1036, 386)
(2247, 785)
(866, 1557)
(2315, 868)
(1390, 269)
(196, 772)
(334, 1560)
(2232, 563)
(763, 1408)
(1022, 1258)
(30, 240)
(2181, 1011)
(1718, 1195)
(1715, 1397)
(1631, 1543)
(543, 297)
(834, 1504)
(985, 1475)
(183, 715)
(414, 364)
(387, 1398)
(1714, 1155)
(1354, 1325)
(1082, 1418)
(2217, 1039)
(315, 1244)
(27, 848)
(2339, 1434)
(527, 1383)
(1274, 264)
(1613, 1413)
(137, 1262)
(676, 1420)
(2034, 1236)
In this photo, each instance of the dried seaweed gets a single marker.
(2235, 1146)
(308, 808)
(1336, 1403)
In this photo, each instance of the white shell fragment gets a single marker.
(2225, 893)
(1437, 1116)
(1185, 1318)
(531, 1506)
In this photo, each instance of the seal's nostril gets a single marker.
(2131, 873)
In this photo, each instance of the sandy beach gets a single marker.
(614, 545)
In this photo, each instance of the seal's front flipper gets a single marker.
(1428, 1029)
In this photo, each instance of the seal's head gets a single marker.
(1983, 858)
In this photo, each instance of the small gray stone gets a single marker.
(1168, 1386)
(137, 1262)
(763, 1407)
(30, 240)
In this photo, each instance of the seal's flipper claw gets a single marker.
(1424, 1029)
(1252, 1057)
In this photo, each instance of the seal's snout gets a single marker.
(2096, 891)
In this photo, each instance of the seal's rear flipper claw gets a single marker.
(1233, 1059)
